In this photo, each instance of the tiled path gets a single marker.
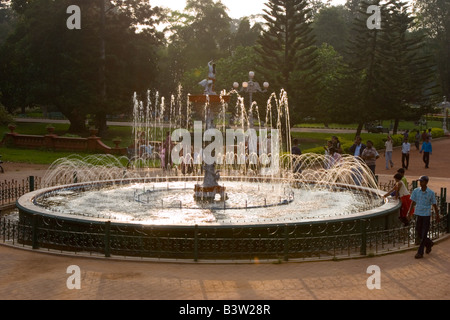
(33, 275)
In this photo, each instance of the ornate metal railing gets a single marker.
(282, 242)
(12, 190)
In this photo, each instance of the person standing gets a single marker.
(400, 192)
(356, 150)
(402, 172)
(423, 199)
(427, 150)
(406, 149)
(417, 140)
(296, 153)
(388, 153)
(336, 144)
(406, 135)
(358, 147)
(370, 156)
(327, 160)
(335, 157)
(424, 135)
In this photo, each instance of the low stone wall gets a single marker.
(55, 142)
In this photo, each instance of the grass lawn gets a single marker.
(309, 142)
(20, 155)
(403, 125)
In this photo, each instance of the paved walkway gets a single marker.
(34, 275)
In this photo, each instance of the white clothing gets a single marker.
(406, 147)
(403, 191)
(389, 147)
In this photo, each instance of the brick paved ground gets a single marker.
(33, 275)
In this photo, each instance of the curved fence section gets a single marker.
(281, 242)
(365, 236)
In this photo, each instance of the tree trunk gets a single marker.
(77, 123)
(100, 123)
(396, 124)
(359, 129)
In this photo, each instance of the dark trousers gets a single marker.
(422, 228)
(405, 160)
(372, 168)
(426, 159)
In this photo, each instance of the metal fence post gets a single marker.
(286, 243)
(196, 243)
(448, 217)
(108, 239)
(34, 232)
(363, 250)
(443, 199)
(31, 181)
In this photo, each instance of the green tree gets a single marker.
(332, 27)
(287, 53)
(331, 73)
(7, 20)
(73, 70)
(246, 35)
(433, 16)
(198, 34)
(206, 33)
(387, 71)
(405, 72)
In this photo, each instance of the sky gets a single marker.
(237, 8)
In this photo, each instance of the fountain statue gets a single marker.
(210, 102)
(209, 83)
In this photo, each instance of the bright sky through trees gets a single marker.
(237, 8)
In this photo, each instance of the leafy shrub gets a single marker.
(5, 116)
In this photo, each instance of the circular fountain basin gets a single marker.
(171, 203)
(165, 208)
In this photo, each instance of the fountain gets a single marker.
(210, 187)
(250, 189)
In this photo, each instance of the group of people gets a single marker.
(426, 149)
(422, 199)
(366, 152)
(418, 203)
(369, 154)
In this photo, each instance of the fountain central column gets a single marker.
(211, 102)
(210, 187)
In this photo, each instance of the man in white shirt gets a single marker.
(406, 149)
(388, 153)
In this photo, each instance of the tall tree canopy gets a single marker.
(55, 66)
(386, 71)
(287, 52)
(433, 16)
